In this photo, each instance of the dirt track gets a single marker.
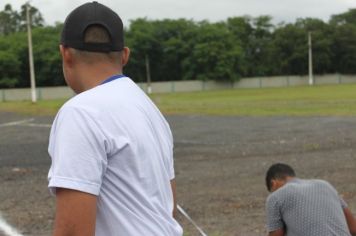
(220, 167)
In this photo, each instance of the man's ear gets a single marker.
(125, 56)
(277, 183)
(273, 185)
(66, 54)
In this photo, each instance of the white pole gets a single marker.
(148, 75)
(311, 78)
(30, 55)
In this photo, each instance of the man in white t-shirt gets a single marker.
(111, 149)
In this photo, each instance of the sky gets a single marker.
(212, 10)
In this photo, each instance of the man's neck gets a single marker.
(291, 179)
(93, 77)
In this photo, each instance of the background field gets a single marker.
(328, 100)
(224, 142)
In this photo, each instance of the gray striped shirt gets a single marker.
(307, 208)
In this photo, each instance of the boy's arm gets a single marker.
(173, 185)
(75, 213)
(350, 219)
(275, 223)
(279, 232)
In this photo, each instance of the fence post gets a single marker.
(260, 82)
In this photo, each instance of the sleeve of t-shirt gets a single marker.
(342, 201)
(171, 160)
(77, 151)
(274, 216)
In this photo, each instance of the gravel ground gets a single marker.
(220, 167)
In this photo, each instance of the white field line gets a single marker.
(36, 125)
(7, 229)
(14, 123)
(25, 123)
(185, 214)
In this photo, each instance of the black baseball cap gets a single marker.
(88, 14)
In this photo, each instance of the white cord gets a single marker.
(181, 210)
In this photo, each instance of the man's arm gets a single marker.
(275, 223)
(173, 185)
(279, 232)
(75, 213)
(350, 219)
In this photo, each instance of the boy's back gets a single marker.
(113, 142)
(307, 207)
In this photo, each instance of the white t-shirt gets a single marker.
(112, 141)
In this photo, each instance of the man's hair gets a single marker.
(97, 34)
(278, 171)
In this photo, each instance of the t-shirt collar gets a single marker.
(112, 78)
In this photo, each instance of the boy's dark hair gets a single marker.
(97, 34)
(278, 171)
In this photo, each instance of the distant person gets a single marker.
(111, 148)
(298, 207)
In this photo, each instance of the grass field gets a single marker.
(334, 100)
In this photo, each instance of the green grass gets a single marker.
(335, 100)
(49, 107)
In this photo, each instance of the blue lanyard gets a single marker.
(113, 78)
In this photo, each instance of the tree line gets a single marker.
(183, 49)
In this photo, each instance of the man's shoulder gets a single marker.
(318, 182)
(77, 107)
(275, 196)
(74, 104)
(315, 185)
(301, 184)
(87, 100)
(284, 191)
(323, 184)
(272, 197)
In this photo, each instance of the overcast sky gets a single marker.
(212, 10)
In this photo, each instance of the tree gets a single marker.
(48, 63)
(214, 54)
(289, 50)
(9, 20)
(344, 41)
(255, 36)
(348, 17)
(344, 49)
(10, 60)
(187, 50)
(12, 21)
(259, 56)
(322, 37)
(9, 69)
(140, 39)
(242, 30)
(35, 17)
